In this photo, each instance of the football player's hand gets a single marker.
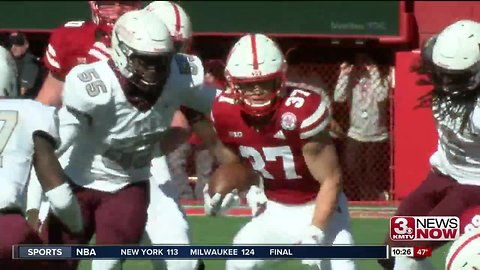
(218, 205)
(33, 220)
(257, 200)
(312, 235)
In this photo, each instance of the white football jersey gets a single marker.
(458, 153)
(19, 120)
(116, 145)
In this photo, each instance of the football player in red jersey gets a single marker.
(80, 42)
(284, 134)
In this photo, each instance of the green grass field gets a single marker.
(221, 230)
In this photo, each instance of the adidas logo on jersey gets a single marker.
(279, 135)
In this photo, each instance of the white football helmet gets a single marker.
(464, 252)
(176, 20)
(255, 58)
(456, 57)
(8, 74)
(142, 48)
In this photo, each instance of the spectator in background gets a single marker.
(28, 69)
(177, 161)
(366, 153)
(304, 74)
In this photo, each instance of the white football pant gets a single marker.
(166, 223)
(284, 224)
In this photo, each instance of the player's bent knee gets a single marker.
(344, 237)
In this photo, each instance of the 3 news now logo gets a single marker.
(429, 228)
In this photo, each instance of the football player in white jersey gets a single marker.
(164, 202)
(114, 114)
(452, 61)
(29, 136)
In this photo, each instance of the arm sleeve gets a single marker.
(189, 79)
(340, 92)
(380, 85)
(70, 125)
(201, 98)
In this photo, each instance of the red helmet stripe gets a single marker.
(178, 22)
(460, 248)
(254, 51)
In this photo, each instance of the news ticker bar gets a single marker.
(200, 252)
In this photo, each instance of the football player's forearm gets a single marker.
(203, 128)
(326, 202)
(48, 169)
(54, 182)
(206, 133)
(225, 155)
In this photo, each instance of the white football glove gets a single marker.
(216, 205)
(257, 200)
(312, 235)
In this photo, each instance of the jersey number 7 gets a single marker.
(8, 120)
(271, 154)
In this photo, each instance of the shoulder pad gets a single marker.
(187, 70)
(69, 31)
(43, 118)
(310, 109)
(88, 87)
(67, 38)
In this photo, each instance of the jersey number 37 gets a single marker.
(271, 155)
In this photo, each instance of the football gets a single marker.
(228, 177)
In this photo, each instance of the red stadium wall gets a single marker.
(414, 130)
(433, 16)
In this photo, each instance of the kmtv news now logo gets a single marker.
(424, 228)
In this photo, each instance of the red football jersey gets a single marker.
(72, 44)
(276, 150)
